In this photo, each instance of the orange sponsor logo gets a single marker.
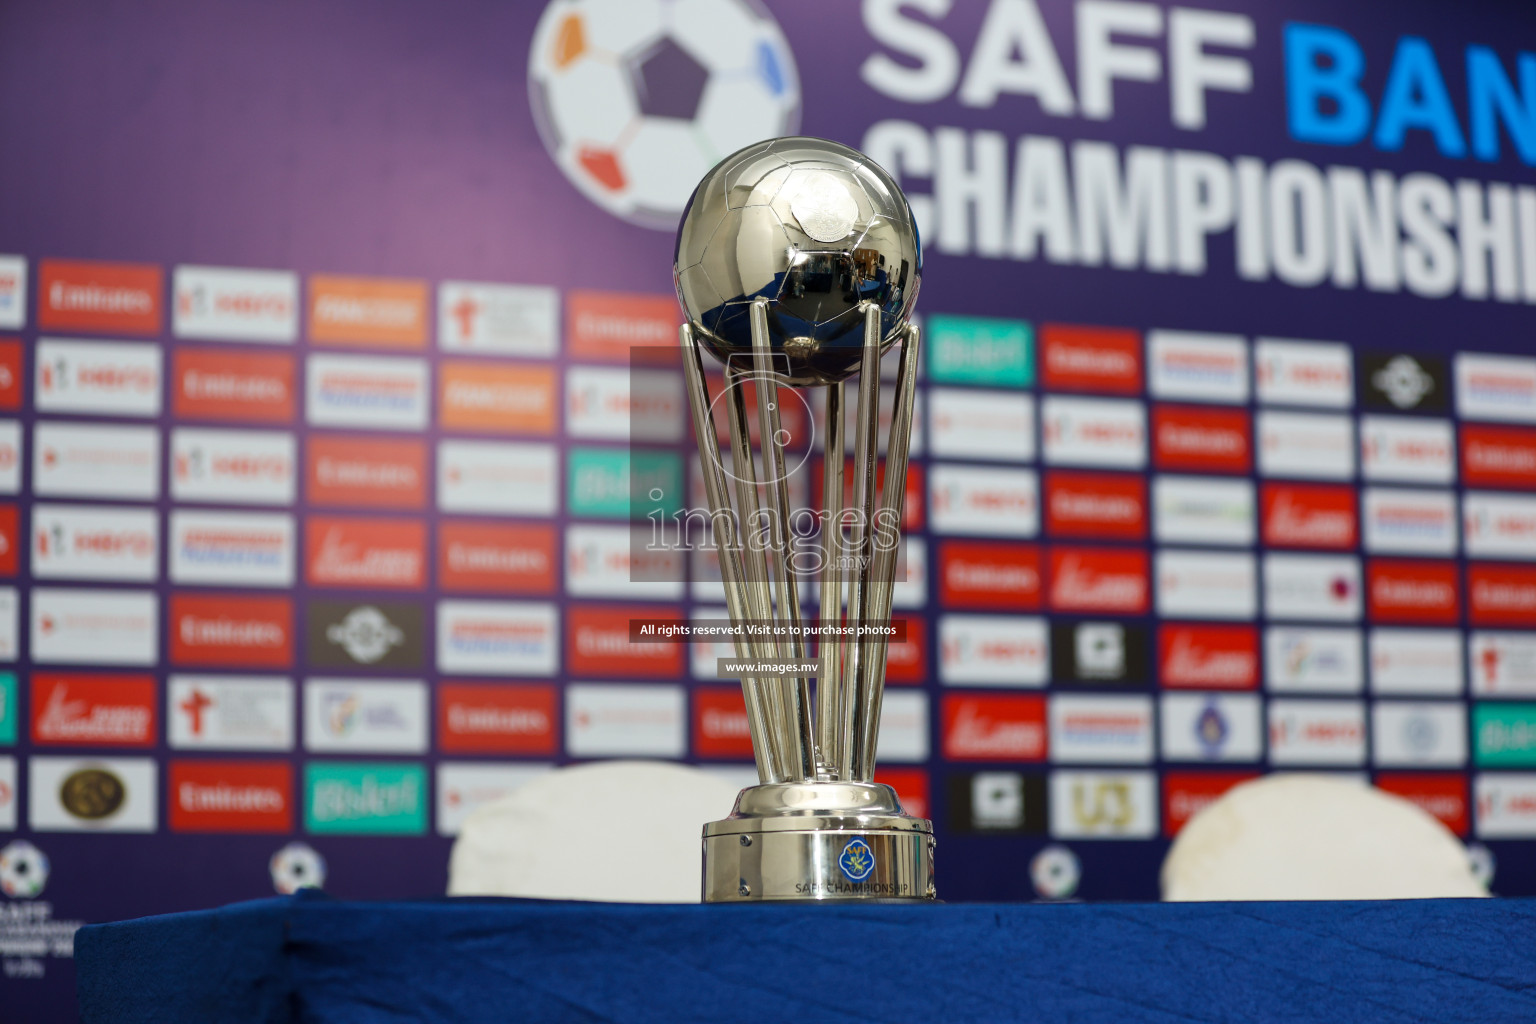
(85, 295)
(366, 472)
(607, 325)
(365, 553)
(497, 397)
(368, 311)
(496, 557)
(245, 386)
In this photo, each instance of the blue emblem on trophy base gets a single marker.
(857, 860)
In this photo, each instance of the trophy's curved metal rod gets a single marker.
(869, 685)
(797, 692)
(784, 738)
(829, 684)
(726, 537)
(866, 420)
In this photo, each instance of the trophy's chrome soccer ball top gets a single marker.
(815, 228)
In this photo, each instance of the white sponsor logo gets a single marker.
(1411, 450)
(1323, 732)
(498, 638)
(10, 457)
(1425, 662)
(1205, 585)
(613, 561)
(1503, 664)
(1499, 525)
(95, 542)
(1325, 588)
(887, 406)
(342, 715)
(371, 392)
(1099, 729)
(976, 424)
(94, 627)
(1506, 805)
(59, 788)
(987, 502)
(75, 460)
(1211, 727)
(10, 624)
(1304, 373)
(1202, 510)
(625, 720)
(1496, 387)
(498, 319)
(1306, 445)
(993, 650)
(912, 591)
(639, 405)
(1313, 660)
(8, 798)
(903, 727)
(225, 304)
(98, 378)
(1103, 805)
(1199, 367)
(13, 292)
(1417, 734)
(464, 787)
(1107, 432)
(233, 467)
(229, 713)
(232, 549)
(497, 478)
(1409, 521)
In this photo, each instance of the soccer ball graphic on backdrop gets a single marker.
(636, 99)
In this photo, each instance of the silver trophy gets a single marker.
(797, 264)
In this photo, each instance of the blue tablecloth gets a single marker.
(313, 959)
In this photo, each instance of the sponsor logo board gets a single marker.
(1417, 662)
(1205, 585)
(1309, 516)
(8, 702)
(92, 794)
(371, 311)
(496, 398)
(993, 727)
(231, 549)
(978, 501)
(598, 644)
(1501, 595)
(630, 404)
(94, 627)
(613, 561)
(970, 423)
(1502, 664)
(1197, 367)
(498, 319)
(1316, 732)
(230, 796)
(365, 798)
(1501, 388)
(1098, 580)
(367, 392)
(497, 718)
(1103, 805)
(1320, 588)
(97, 378)
(1504, 734)
(1418, 734)
(13, 292)
(1308, 446)
(1074, 358)
(229, 712)
(1505, 805)
(1097, 729)
(9, 798)
(78, 710)
(1110, 505)
(372, 716)
(903, 735)
(1210, 727)
(1312, 660)
(1402, 591)
(500, 558)
(606, 326)
(12, 363)
(230, 631)
(1315, 373)
(363, 472)
(245, 387)
(498, 638)
(463, 788)
(1440, 794)
(498, 478)
(95, 542)
(226, 304)
(75, 460)
(980, 350)
(1208, 656)
(365, 553)
(370, 634)
(997, 803)
(993, 650)
(1498, 456)
(1098, 653)
(625, 720)
(1499, 525)
(617, 484)
(1186, 794)
(1398, 448)
(1202, 510)
(233, 467)
(100, 298)
(1400, 382)
(1207, 440)
(1409, 521)
(1101, 432)
(982, 574)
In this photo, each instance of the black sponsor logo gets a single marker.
(92, 793)
(365, 634)
(1098, 652)
(997, 803)
(1403, 382)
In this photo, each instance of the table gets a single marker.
(315, 959)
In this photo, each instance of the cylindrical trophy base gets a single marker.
(818, 841)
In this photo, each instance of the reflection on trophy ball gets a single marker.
(815, 228)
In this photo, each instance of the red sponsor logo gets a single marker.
(607, 325)
(1498, 456)
(11, 366)
(1501, 595)
(1002, 727)
(794, 414)
(1405, 591)
(211, 629)
(1211, 440)
(1310, 516)
(597, 643)
(980, 574)
(93, 710)
(10, 539)
(1209, 657)
(366, 472)
(1096, 505)
(912, 501)
(496, 557)
(496, 718)
(1443, 795)
(365, 553)
(249, 387)
(231, 796)
(102, 297)
(1099, 580)
(1186, 794)
(911, 786)
(720, 723)
(907, 662)
(1090, 359)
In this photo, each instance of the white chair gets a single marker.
(620, 831)
(1307, 837)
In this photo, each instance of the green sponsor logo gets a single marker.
(382, 799)
(980, 350)
(616, 484)
(7, 707)
(1505, 734)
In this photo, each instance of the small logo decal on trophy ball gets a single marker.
(857, 860)
(636, 102)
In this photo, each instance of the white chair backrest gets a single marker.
(1307, 837)
(620, 831)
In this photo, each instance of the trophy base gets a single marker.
(818, 841)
